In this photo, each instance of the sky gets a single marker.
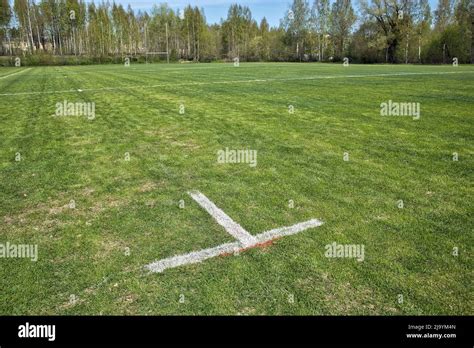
(214, 10)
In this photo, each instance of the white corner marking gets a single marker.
(244, 239)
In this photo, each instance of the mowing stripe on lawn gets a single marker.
(232, 82)
(245, 239)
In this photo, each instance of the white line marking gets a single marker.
(194, 257)
(232, 227)
(18, 72)
(287, 231)
(184, 84)
(226, 248)
(81, 70)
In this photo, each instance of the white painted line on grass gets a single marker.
(227, 248)
(184, 84)
(193, 257)
(232, 227)
(158, 70)
(287, 231)
(18, 72)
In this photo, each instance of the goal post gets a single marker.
(159, 53)
(152, 54)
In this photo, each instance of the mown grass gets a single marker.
(134, 204)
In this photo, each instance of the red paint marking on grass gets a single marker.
(262, 245)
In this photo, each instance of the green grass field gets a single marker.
(83, 265)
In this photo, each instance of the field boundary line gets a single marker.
(309, 78)
(232, 227)
(160, 69)
(243, 242)
(17, 72)
(229, 248)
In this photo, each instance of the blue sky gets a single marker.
(273, 10)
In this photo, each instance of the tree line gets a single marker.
(377, 31)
